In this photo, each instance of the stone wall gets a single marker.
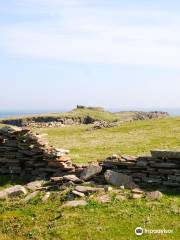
(24, 152)
(45, 121)
(42, 122)
(162, 168)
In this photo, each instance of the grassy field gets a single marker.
(133, 138)
(113, 221)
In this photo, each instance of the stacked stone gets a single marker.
(161, 168)
(24, 152)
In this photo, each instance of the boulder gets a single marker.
(75, 203)
(118, 179)
(14, 191)
(90, 171)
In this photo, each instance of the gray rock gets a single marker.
(79, 194)
(31, 196)
(72, 178)
(35, 185)
(56, 179)
(90, 171)
(137, 191)
(104, 198)
(46, 197)
(75, 203)
(156, 195)
(14, 191)
(137, 196)
(119, 179)
(85, 189)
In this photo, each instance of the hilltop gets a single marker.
(81, 115)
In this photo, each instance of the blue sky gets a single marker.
(55, 54)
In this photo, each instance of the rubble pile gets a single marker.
(162, 168)
(24, 152)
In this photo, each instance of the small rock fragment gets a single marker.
(46, 197)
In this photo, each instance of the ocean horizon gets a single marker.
(9, 114)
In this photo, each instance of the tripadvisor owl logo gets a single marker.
(139, 231)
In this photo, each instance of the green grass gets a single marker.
(116, 220)
(133, 138)
(113, 221)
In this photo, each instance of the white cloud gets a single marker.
(93, 34)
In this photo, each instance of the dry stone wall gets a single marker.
(24, 152)
(162, 168)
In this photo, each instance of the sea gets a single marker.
(9, 114)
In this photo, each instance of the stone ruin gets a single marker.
(162, 168)
(26, 153)
(23, 152)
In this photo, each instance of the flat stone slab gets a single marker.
(75, 203)
(35, 185)
(79, 194)
(87, 189)
(165, 154)
(106, 198)
(72, 178)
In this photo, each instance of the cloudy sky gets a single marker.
(55, 54)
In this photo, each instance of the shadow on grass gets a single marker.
(9, 180)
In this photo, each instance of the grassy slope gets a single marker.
(116, 220)
(134, 138)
